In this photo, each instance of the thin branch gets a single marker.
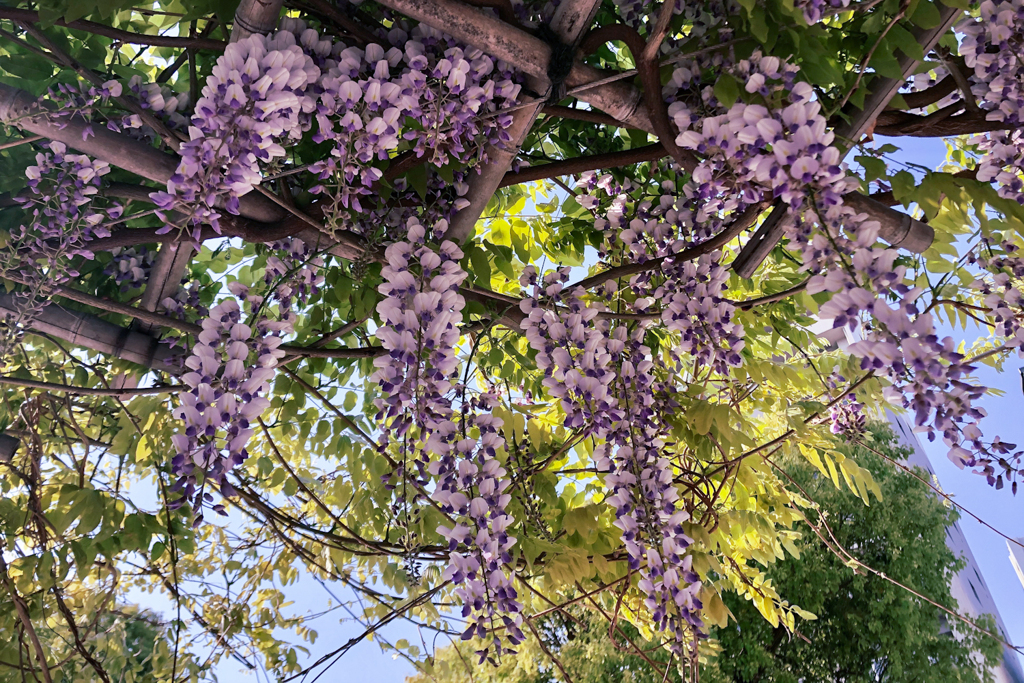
(87, 391)
(848, 559)
(938, 491)
(23, 141)
(26, 622)
(772, 298)
(588, 115)
(739, 224)
(79, 645)
(117, 34)
(582, 164)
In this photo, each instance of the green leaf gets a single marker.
(926, 15)
(905, 40)
(759, 23)
(417, 177)
(903, 186)
(874, 168)
(727, 90)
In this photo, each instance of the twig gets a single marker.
(117, 34)
(87, 391)
(26, 622)
(23, 141)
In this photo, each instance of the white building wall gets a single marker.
(1017, 558)
(968, 586)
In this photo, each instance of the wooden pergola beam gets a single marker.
(21, 109)
(90, 332)
(527, 53)
(570, 22)
(915, 232)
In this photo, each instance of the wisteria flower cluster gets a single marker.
(688, 293)
(603, 379)
(266, 91)
(991, 47)
(422, 316)
(130, 266)
(294, 274)
(63, 217)
(927, 375)
(165, 104)
(250, 104)
(785, 149)
(230, 369)
(643, 493)
(370, 94)
(847, 417)
(571, 349)
(75, 99)
(472, 484)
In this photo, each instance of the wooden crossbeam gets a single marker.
(570, 22)
(90, 332)
(914, 233)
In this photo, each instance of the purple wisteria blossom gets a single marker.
(251, 103)
(471, 484)
(230, 369)
(418, 378)
(63, 217)
(130, 266)
(604, 381)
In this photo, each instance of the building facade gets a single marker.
(968, 586)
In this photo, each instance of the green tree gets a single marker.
(866, 629)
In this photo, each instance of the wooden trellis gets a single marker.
(262, 219)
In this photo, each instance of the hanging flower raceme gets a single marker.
(999, 288)
(643, 494)
(991, 47)
(847, 417)
(928, 375)
(453, 93)
(471, 485)
(63, 218)
(694, 307)
(252, 102)
(163, 103)
(571, 349)
(421, 317)
(230, 369)
(75, 99)
(688, 292)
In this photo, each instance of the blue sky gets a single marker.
(1006, 419)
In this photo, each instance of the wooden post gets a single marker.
(571, 20)
(255, 16)
(911, 234)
